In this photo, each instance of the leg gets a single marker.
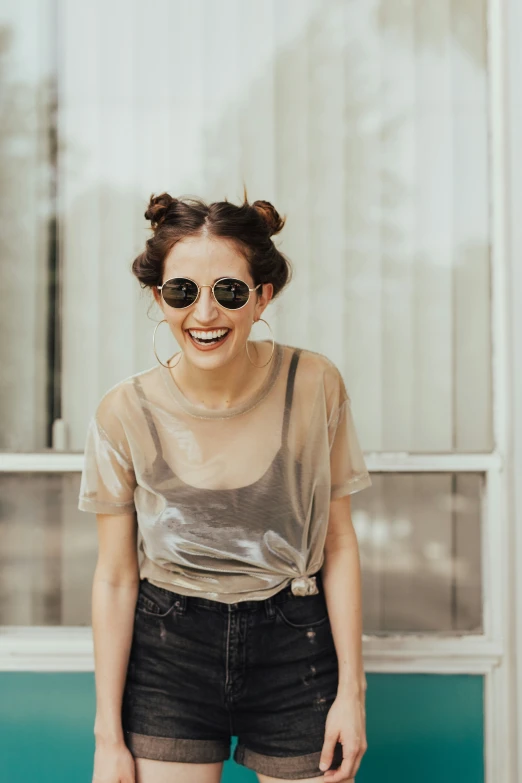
(292, 682)
(152, 771)
(174, 724)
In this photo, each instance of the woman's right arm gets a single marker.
(114, 595)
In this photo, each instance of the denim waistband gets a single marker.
(284, 594)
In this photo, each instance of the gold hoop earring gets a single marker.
(168, 366)
(273, 345)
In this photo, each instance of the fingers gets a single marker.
(330, 741)
(348, 769)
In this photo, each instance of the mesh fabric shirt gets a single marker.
(231, 504)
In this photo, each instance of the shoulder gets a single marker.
(317, 371)
(119, 401)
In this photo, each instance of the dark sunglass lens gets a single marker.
(180, 292)
(231, 293)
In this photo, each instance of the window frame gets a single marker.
(492, 653)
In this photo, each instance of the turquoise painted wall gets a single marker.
(420, 727)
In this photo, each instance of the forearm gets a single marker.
(113, 607)
(341, 573)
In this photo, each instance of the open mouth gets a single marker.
(213, 338)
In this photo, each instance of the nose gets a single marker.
(206, 306)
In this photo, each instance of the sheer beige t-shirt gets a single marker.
(231, 504)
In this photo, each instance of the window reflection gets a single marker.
(48, 551)
(419, 539)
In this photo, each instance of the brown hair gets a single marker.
(248, 226)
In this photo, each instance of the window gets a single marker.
(369, 129)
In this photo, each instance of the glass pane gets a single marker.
(420, 543)
(365, 124)
(27, 233)
(48, 551)
(419, 538)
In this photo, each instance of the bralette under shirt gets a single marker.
(231, 504)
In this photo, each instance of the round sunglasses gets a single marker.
(229, 292)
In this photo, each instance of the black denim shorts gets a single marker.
(202, 671)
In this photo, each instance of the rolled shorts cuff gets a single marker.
(289, 767)
(189, 751)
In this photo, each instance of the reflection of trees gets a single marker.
(419, 539)
(27, 256)
(468, 24)
(307, 146)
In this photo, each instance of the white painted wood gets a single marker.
(47, 462)
(398, 100)
(60, 462)
(471, 222)
(293, 150)
(500, 704)
(326, 173)
(363, 286)
(432, 364)
(71, 649)
(513, 135)
(81, 176)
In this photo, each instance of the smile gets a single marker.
(208, 338)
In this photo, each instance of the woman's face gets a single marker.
(205, 260)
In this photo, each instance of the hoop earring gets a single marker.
(273, 345)
(168, 366)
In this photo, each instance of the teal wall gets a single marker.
(420, 727)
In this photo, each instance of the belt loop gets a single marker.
(269, 607)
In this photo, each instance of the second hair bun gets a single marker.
(274, 221)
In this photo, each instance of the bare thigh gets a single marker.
(152, 771)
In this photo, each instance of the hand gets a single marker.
(345, 723)
(113, 763)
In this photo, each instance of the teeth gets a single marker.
(207, 335)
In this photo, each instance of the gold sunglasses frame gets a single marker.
(199, 287)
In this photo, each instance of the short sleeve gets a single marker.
(108, 479)
(349, 473)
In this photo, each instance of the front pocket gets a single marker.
(307, 611)
(155, 601)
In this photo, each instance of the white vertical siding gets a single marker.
(364, 123)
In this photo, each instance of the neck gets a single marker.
(225, 386)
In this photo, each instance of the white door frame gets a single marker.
(509, 55)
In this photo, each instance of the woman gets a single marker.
(226, 597)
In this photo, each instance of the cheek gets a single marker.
(175, 320)
(243, 321)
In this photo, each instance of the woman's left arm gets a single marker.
(341, 574)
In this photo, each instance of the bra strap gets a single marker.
(286, 419)
(148, 417)
(290, 392)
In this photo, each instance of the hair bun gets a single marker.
(158, 208)
(274, 222)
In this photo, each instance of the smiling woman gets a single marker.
(244, 458)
